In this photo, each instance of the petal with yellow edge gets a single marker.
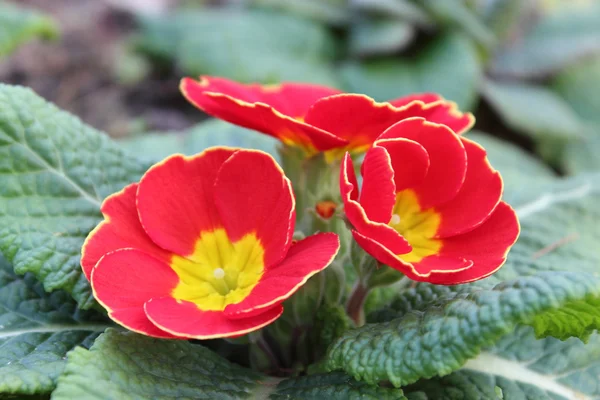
(278, 111)
(120, 229)
(124, 280)
(357, 216)
(175, 199)
(305, 258)
(252, 195)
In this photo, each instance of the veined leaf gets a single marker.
(36, 332)
(158, 145)
(18, 25)
(54, 173)
(448, 66)
(521, 367)
(130, 366)
(549, 282)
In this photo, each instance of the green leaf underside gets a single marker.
(533, 110)
(54, 173)
(518, 168)
(18, 25)
(448, 66)
(330, 11)
(37, 330)
(549, 282)
(379, 36)
(564, 35)
(156, 146)
(130, 366)
(579, 85)
(291, 48)
(522, 367)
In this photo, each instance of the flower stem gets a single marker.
(356, 302)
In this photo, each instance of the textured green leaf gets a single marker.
(562, 36)
(129, 366)
(379, 36)
(521, 367)
(18, 25)
(36, 332)
(252, 46)
(54, 173)
(448, 66)
(333, 386)
(533, 110)
(158, 145)
(550, 273)
(334, 12)
(517, 167)
(579, 85)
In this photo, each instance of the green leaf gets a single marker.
(401, 9)
(36, 331)
(448, 66)
(54, 173)
(130, 366)
(562, 36)
(579, 85)
(379, 36)
(521, 367)
(252, 46)
(158, 145)
(334, 12)
(19, 25)
(517, 167)
(455, 13)
(533, 110)
(333, 386)
(551, 273)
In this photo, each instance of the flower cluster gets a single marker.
(201, 247)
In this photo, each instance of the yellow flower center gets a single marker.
(219, 272)
(416, 225)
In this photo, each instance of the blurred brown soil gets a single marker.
(77, 71)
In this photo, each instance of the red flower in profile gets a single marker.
(316, 118)
(202, 247)
(429, 205)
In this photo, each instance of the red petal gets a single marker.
(358, 218)
(378, 194)
(252, 194)
(183, 318)
(175, 199)
(424, 97)
(354, 117)
(254, 108)
(447, 113)
(121, 228)
(305, 258)
(486, 245)
(416, 271)
(124, 280)
(477, 198)
(291, 99)
(410, 161)
(447, 159)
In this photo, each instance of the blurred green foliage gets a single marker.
(18, 25)
(531, 61)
